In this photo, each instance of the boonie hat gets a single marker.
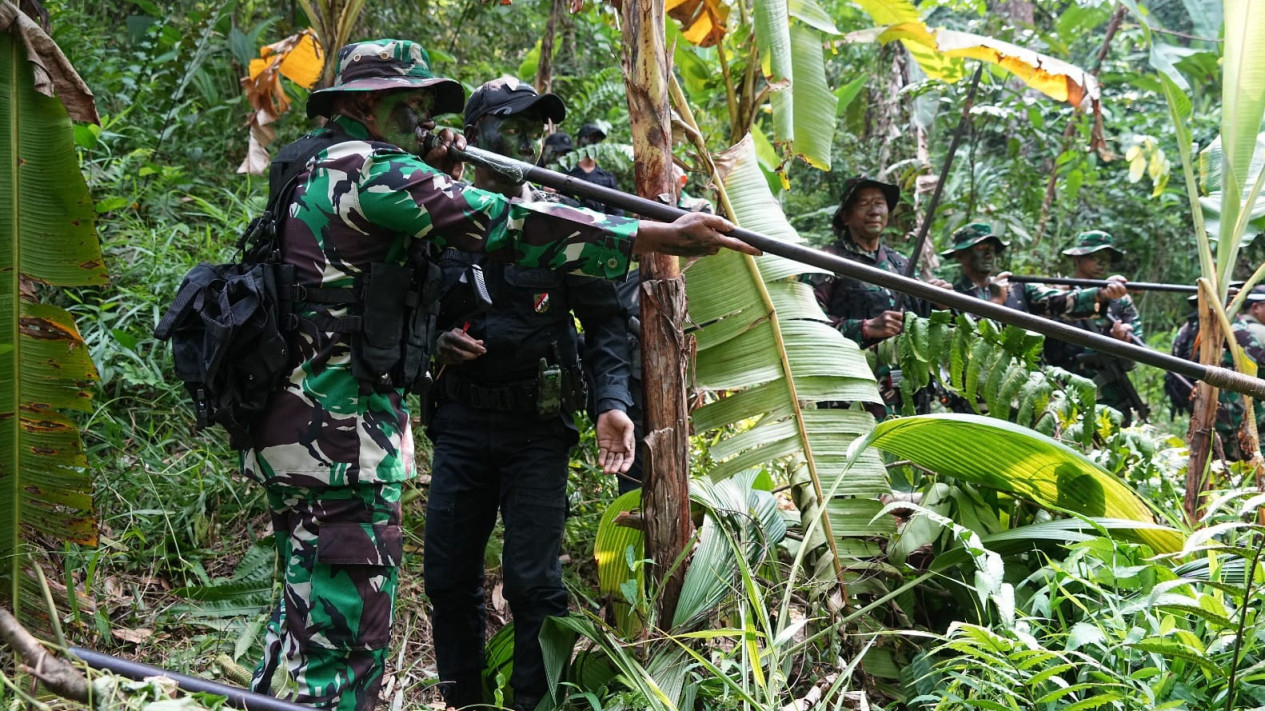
(382, 65)
(970, 235)
(1091, 241)
(853, 185)
(507, 96)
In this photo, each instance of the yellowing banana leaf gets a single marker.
(300, 59)
(1021, 462)
(49, 237)
(702, 21)
(895, 12)
(764, 343)
(1052, 77)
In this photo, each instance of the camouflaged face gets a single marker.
(365, 202)
(327, 641)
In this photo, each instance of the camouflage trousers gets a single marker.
(340, 549)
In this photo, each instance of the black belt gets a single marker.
(505, 397)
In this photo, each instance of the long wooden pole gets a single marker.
(1214, 375)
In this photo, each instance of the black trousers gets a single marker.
(487, 461)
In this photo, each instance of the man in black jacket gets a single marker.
(503, 429)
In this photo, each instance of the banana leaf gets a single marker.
(765, 344)
(48, 238)
(1023, 463)
(1242, 108)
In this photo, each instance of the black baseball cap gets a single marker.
(559, 142)
(590, 129)
(507, 96)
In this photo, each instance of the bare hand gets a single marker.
(999, 288)
(694, 234)
(883, 326)
(1113, 291)
(940, 283)
(438, 155)
(1121, 331)
(456, 346)
(615, 445)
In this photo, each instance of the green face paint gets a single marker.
(403, 117)
(519, 136)
(1093, 265)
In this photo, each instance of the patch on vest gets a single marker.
(541, 303)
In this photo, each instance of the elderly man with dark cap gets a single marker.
(1094, 255)
(502, 440)
(864, 312)
(334, 445)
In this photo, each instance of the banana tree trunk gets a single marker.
(665, 490)
(1204, 416)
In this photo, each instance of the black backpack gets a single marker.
(229, 325)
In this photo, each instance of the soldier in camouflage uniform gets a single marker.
(498, 447)
(1093, 255)
(333, 449)
(977, 250)
(866, 313)
(1230, 413)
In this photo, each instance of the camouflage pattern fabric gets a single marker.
(364, 202)
(1086, 362)
(332, 451)
(1038, 299)
(1254, 325)
(328, 637)
(1231, 412)
(847, 302)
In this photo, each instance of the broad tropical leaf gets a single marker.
(1006, 457)
(1053, 77)
(764, 342)
(48, 237)
(1243, 106)
(773, 38)
(739, 511)
(815, 104)
(896, 12)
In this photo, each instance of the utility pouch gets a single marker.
(377, 348)
(420, 331)
(548, 390)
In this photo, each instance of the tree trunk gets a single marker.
(665, 490)
(1204, 416)
(544, 67)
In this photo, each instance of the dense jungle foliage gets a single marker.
(971, 576)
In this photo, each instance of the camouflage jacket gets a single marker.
(361, 202)
(1037, 298)
(1231, 412)
(1079, 359)
(847, 301)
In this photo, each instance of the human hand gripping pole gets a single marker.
(1211, 374)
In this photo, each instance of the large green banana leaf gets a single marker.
(763, 342)
(47, 236)
(1021, 462)
(1242, 107)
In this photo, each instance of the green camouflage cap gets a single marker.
(383, 65)
(970, 235)
(1091, 241)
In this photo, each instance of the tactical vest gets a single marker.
(234, 326)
